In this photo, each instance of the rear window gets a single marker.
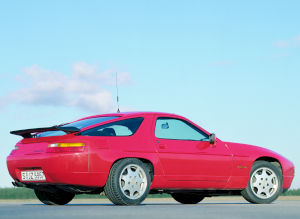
(88, 122)
(126, 127)
(78, 124)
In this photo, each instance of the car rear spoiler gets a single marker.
(27, 133)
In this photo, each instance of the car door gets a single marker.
(187, 155)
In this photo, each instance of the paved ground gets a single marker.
(153, 209)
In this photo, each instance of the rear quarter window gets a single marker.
(126, 127)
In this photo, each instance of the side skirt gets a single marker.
(206, 193)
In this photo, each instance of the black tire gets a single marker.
(187, 198)
(121, 191)
(58, 197)
(260, 189)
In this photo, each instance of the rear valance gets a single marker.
(27, 133)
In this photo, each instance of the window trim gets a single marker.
(80, 133)
(188, 124)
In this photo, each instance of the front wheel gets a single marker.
(187, 198)
(128, 182)
(58, 197)
(265, 183)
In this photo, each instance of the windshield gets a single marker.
(78, 124)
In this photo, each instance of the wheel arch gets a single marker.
(148, 163)
(272, 160)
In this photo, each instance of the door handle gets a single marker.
(162, 146)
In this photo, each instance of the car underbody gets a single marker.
(97, 190)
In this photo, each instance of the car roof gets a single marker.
(139, 113)
(127, 114)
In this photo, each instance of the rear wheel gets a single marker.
(265, 183)
(187, 198)
(128, 182)
(58, 197)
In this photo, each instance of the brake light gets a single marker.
(65, 147)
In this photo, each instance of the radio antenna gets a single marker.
(117, 92)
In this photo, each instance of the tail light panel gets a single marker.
(65, 147)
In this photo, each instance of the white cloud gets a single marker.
(83, 88)
(82, 69)
(101, 100)
(288, 43)
(282, 44)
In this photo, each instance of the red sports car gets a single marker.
(129, 155)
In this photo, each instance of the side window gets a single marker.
(124, 127)
(169, 128)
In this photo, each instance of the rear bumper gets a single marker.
(66, 168)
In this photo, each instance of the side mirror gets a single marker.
(212, 138)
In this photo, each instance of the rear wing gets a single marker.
(29, 133)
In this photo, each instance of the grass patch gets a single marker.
(16, 193)
(292, 192)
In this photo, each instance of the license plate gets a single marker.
(33, 175)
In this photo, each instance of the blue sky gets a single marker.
(231, 66)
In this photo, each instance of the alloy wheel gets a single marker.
(264, 183)
(133, 181)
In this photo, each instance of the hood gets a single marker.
(250, 150)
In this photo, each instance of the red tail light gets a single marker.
(65, 147)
